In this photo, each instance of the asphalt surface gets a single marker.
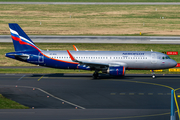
(96, 3)
(99, 39)
(78, 96)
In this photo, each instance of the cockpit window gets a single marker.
(166, 57)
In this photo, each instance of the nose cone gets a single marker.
(173, 63)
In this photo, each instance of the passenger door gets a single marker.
(153, 58)
(40, 58)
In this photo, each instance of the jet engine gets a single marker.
(116, 71)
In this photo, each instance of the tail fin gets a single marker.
(20, 40)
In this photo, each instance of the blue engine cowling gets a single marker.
(116, 71)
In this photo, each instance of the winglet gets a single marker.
(75, 48)
(72, 58)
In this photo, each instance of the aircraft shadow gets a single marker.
(106, 76)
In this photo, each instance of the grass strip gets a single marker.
(92, 19)
(9, 104)
(90, 1)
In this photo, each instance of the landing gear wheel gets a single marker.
(95, 75)
(153, 74)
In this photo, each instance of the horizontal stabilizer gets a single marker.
(18, 56)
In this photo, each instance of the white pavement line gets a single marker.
(60, 99)
(165, 40)
(21, 77)
(47, 94)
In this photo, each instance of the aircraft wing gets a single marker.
(96, 64)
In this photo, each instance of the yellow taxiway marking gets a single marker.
(131, 93)
(113, 93)
(122, 93)
(40, 78)
(178, 96)
(150, 93)
(141, 93)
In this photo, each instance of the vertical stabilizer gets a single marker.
(20, 40)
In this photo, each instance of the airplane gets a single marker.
(114, 63)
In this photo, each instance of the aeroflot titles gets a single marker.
(123, 54)
(133, 53)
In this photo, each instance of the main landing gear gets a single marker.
(95, 75)
(153, 74)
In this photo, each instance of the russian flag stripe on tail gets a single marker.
(20, 40)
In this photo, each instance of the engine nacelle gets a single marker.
(116, 71)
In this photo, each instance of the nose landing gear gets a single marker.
(153, 74)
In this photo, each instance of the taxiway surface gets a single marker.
(78, 96)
